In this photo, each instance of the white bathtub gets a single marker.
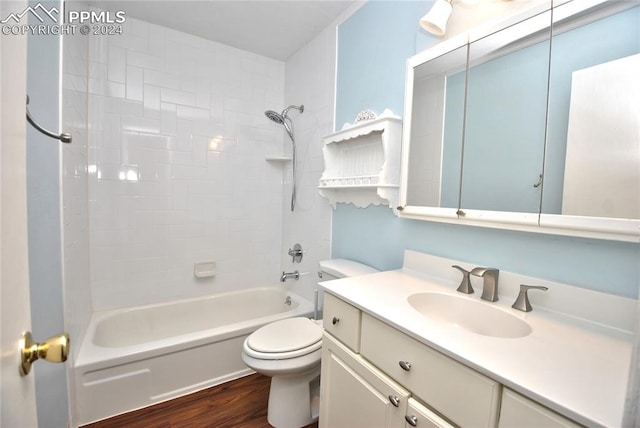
(136, 357)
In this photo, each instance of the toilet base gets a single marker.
(294, 400)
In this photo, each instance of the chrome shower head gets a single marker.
(274, 117)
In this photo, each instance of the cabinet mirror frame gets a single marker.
(618, 229)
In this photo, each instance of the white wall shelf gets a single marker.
(277, 159)
(362, 162)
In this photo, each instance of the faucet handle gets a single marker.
(465, 285)
(522, 302)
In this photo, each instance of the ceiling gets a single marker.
(276, 29)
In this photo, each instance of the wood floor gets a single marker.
(241, 403)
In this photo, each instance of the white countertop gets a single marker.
(575, 367)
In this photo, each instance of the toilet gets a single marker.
(289, 352)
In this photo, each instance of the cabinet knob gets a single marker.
(335, 320)
(406, 365)
(394, 400)
(411, 420)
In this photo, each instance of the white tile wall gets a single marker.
(310, 81)
(74, 188)
(74, 185)
(177, 170)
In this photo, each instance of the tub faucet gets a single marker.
(490, 282)
(286, 275)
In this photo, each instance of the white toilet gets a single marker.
(289, 351)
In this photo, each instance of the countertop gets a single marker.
(575, 367)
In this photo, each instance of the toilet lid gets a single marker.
(285, 335)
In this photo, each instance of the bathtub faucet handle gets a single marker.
(296, 253)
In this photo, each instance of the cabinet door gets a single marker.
(355, 394)
(520, 412)
(421, 417)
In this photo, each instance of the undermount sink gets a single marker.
(476, 317)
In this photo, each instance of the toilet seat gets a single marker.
(288, 338)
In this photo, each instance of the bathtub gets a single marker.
(136, 357)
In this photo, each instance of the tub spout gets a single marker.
(286, 275)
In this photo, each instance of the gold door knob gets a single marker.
(55, 349)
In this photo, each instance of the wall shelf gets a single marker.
(277, 159)
(362, 162)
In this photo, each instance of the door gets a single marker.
(17, 393)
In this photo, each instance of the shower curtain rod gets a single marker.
(63, 137)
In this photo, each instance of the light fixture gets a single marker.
(435, 21)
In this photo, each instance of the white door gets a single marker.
(17, 393)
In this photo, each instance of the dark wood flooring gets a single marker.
(240, 403)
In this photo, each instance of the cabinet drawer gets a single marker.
(342, 320)
(465, 396)
(421, 417)
(519, 411)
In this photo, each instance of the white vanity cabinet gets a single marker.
(374, 375)
(356, 393)
(520, 412)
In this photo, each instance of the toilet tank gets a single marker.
(343, 268)
(336, 269)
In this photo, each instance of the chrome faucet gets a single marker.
(490, 282)
(286, 275)
(522, 302)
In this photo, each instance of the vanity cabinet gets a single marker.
(374, 375)
(520, 412)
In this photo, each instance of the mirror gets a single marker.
(531, 125)
(592, 166)
(438, 121)
(506, 119)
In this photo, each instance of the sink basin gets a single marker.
(476, 317)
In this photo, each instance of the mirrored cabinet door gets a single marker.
(506, 107)
(436, 129)
(592, 165)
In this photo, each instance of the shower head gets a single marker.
(279, 118)
(284, 120)
(274, 117)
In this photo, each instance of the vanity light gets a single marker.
(435, 21)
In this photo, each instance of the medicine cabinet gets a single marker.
(529, 124)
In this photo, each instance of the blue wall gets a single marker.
(373, 46)
(43, 217)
